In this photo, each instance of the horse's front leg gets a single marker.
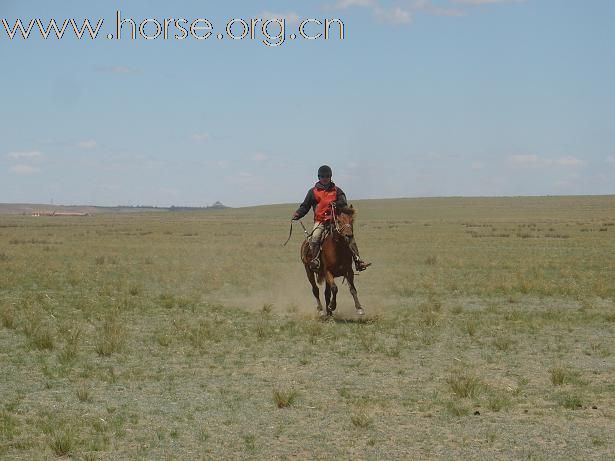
(332, 303)
(327, 297)
(315, 291)
(353, 292)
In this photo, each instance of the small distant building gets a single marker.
(218, 205)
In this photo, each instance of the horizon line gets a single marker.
(289, 203)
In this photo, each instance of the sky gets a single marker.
(420, 98)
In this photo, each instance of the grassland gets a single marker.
(489, 334)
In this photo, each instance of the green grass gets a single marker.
(195, 335)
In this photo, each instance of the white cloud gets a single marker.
(290, 17)
(392, 15)
(23, 169)
(569, 161)
(395, 15)
(428, 7)
(87, 144)
(259, 157)
(200, 137)
(343, 4)
(25, 155)
(611, 159)
(387, 12)
(485, 2)
(527, 159)
(535, 160)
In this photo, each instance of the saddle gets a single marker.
(306, 254)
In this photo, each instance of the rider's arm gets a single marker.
(304, 208)
(340, 202)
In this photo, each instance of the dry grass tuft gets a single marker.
(63, 442)
(458, 409)
(111, 338)
(42, 338)
(571, 401)
(361, 418)
(562, 375)
(7, 317)
(464, 384)
(84, 394)
(284, 397)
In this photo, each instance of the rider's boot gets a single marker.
(359, 264)
(314, 253)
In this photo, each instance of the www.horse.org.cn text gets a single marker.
(272, 32)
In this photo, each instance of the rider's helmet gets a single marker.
(325, 171)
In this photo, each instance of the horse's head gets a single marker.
(345, 221)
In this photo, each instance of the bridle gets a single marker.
(339, 227)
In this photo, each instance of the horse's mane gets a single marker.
(348, 210)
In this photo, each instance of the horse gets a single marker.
(335, 261)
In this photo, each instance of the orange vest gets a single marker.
(324, 198)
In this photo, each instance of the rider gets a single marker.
(320, 198)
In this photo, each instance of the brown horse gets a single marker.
(335, 261)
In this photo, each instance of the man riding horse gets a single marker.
(320, 198)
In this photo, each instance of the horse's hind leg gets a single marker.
(315, 290)
(353, 292)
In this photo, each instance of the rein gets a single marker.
(290, 233)
(336, 226)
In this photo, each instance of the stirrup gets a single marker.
(314, 264)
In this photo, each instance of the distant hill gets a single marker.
(31, 208)
(541, 208)
(215, 206)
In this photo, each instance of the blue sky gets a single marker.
(421, 98)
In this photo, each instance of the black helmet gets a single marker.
(325, 170)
